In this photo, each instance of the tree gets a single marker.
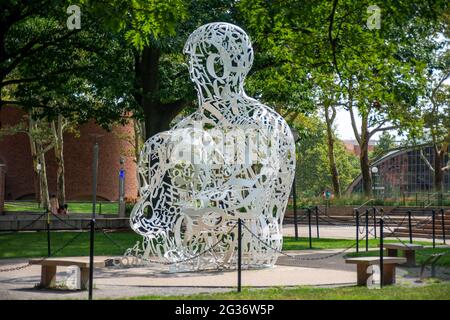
(40, 137)
(156, 32)
(62, 77)
(380, 72)
(312, 172)
(436, 116)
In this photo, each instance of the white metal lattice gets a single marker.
(232, 158)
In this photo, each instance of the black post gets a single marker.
(294, 194)
(239, 254)
(317, 221)
(410, 227)
(443, 224)
(91, 259)
(375, 222)
(94, 180)
(357, 229)
(367, 230)
(49, 247)
(433, 218)
(381, 251)
(94, 204)
(309, 225)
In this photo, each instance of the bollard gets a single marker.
(357, 229)
(91, 258)
(410, 227)
(375, 222)
(443, 224)
(367, 230)
(381, 251)
(317, 222)
(294, 193)
(433, 218)
(239, 255)
(49, 247)
(309, 226)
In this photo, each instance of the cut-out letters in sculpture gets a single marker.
(233, 158)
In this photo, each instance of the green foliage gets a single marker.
(313, 173)
(385, 143)
(141, 21)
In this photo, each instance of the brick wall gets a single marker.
(20, 181)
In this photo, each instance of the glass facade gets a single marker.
(402, 172)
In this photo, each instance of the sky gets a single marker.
(344, 125)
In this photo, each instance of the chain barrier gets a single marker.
(26, 226)
(298, 257)
(168, 263)
(43, 259)
(113, 241)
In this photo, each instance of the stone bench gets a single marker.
(49, 265)
(362, 263)
(408, 249)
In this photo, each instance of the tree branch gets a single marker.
(422, 156)
(355, 129)
(379, 128)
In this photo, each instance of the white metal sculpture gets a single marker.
(233, 158)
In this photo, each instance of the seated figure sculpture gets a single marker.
(232, 158)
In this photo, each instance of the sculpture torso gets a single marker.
(233, 158)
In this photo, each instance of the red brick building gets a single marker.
(15, 155)
(353, 146)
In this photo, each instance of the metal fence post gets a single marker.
(357, 229)
(443, 224)
(433, 218)
(49, 247)
(91, 258)
(375, 222)
(309, 224)
(381, 252)
(317, 221)
(239, 284)
(410, 227)
(367, 230)
(294, 193)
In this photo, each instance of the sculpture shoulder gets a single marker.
(266, 116)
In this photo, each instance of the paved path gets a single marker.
(337, 232)
(115, 282)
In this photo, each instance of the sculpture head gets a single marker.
(220, 57)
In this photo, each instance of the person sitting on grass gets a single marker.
(54, 205)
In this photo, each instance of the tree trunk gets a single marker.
(157, 115)
(438, 173)
(364, 159)
(139, 129)
(332, 162)
(43, 183)
(58, 132)
(34, 158)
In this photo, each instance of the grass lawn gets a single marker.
(74, 207)
(435, 291)
(34, 244)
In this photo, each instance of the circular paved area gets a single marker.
(118, 282)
